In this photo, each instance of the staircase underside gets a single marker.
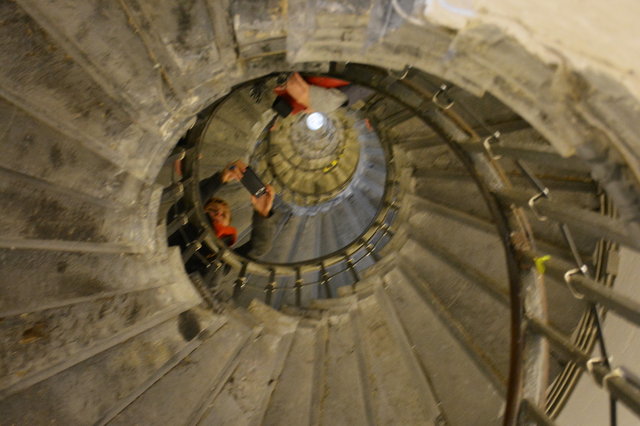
(99, 322)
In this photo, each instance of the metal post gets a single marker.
(369, 248)
(298, 287)
(352, 270)
(325, 281)
(240, 282)
(271, 285)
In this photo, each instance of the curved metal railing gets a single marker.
(189, 227)
(522, 259)
(592, 286)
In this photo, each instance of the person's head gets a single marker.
(219, 211)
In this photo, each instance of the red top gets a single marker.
(326, 82)
(228, 234)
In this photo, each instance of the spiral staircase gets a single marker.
(447, 266)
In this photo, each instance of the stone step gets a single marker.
(338, 305)
(51, 81)
(293, 396)
(55, 159)
(198, 376)
(463, 219)
(97, 382)
(286, 240)
(459, 294)
(50, 212)
(475, 248)
(78, 277)
(398, 392)
(345, 386)
(122, 60)
(55, 342)
(329, 238)
(465, 198)
(246, 393)
(448, 366)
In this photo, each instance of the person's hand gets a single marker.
(264, 203)
(234, 171)
(298, 89)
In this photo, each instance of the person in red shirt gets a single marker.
(219, 213)
(309, 94)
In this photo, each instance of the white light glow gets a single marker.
(315, 120)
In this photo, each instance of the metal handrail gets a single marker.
(502, 225)
(514, 401)
(630, 309)
(377, 224)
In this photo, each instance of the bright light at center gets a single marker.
(315, 120)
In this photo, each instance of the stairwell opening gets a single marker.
(279, 275)
(94, 149)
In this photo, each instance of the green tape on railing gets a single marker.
(540, 263)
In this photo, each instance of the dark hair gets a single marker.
(282, 107)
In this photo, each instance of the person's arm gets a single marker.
(262, 226)
(261, 241)
(209, 186)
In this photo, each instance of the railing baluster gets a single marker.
(193, 247)
(174, 192)
(615, 381)
(532, 411)
(325, 281)
(178, 222)
(532, 178)
(271, 285)
(566, 234)
(352, 270)
(298, 287)
(240, 282)
(213, 270)
(370, 250)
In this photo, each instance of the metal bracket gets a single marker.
(495, 137)
(591, 362)
(615, 373)
(567, 278)
(404, 72)
(532, 202)
(442, 91)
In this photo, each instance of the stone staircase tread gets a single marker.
(396, 395)
(480, 340)
(345, 390)
(292, 398)
(331, 304)
(79, 277)
(274, 321)
(63, 93)
(193, 325)
(56, 162)
(473, 247)
(245, 395)
(96, 380)
(45, 214)
(464, 218)
(447, 365)
(112, 319)
(456, 293)
(198, 375)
